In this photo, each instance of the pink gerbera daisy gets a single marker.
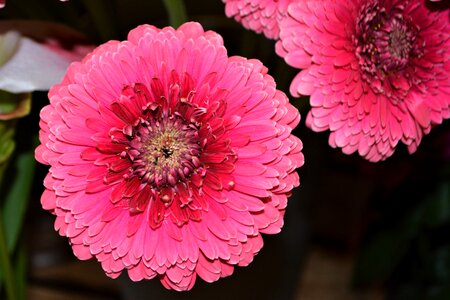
(167, 157)
(261, 16)
(377, 71)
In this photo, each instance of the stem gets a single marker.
(7, 145)
(21, 271)
(177, 12)
(5, 265)
(17, 196)
(102, 15)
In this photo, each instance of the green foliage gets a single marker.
(16, 191)
(16, 176)
(6, 143)
(17, 194)
(412, 258)
(13, 106)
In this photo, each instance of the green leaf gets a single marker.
(13, 106)
(437, 211)
(441, 265)
(6, 140)
(17, 197)
(21, 272)
(7, 272)
(439, 293)
(7, 144)
(380, 258)
(13, 211)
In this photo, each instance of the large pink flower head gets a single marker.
(261, 16)
(167, 157)
(377, 71)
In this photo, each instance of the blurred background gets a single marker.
(353, 230)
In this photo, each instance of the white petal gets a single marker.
(33, 67)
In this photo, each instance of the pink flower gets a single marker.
(167, 157)
(377, 71)
(261, 16)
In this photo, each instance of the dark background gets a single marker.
(353, 230)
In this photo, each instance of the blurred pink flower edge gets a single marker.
(260, 16)
(369, 93)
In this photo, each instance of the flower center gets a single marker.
(400, 42)
(158, 149)
(168, 151)
(385, 41)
